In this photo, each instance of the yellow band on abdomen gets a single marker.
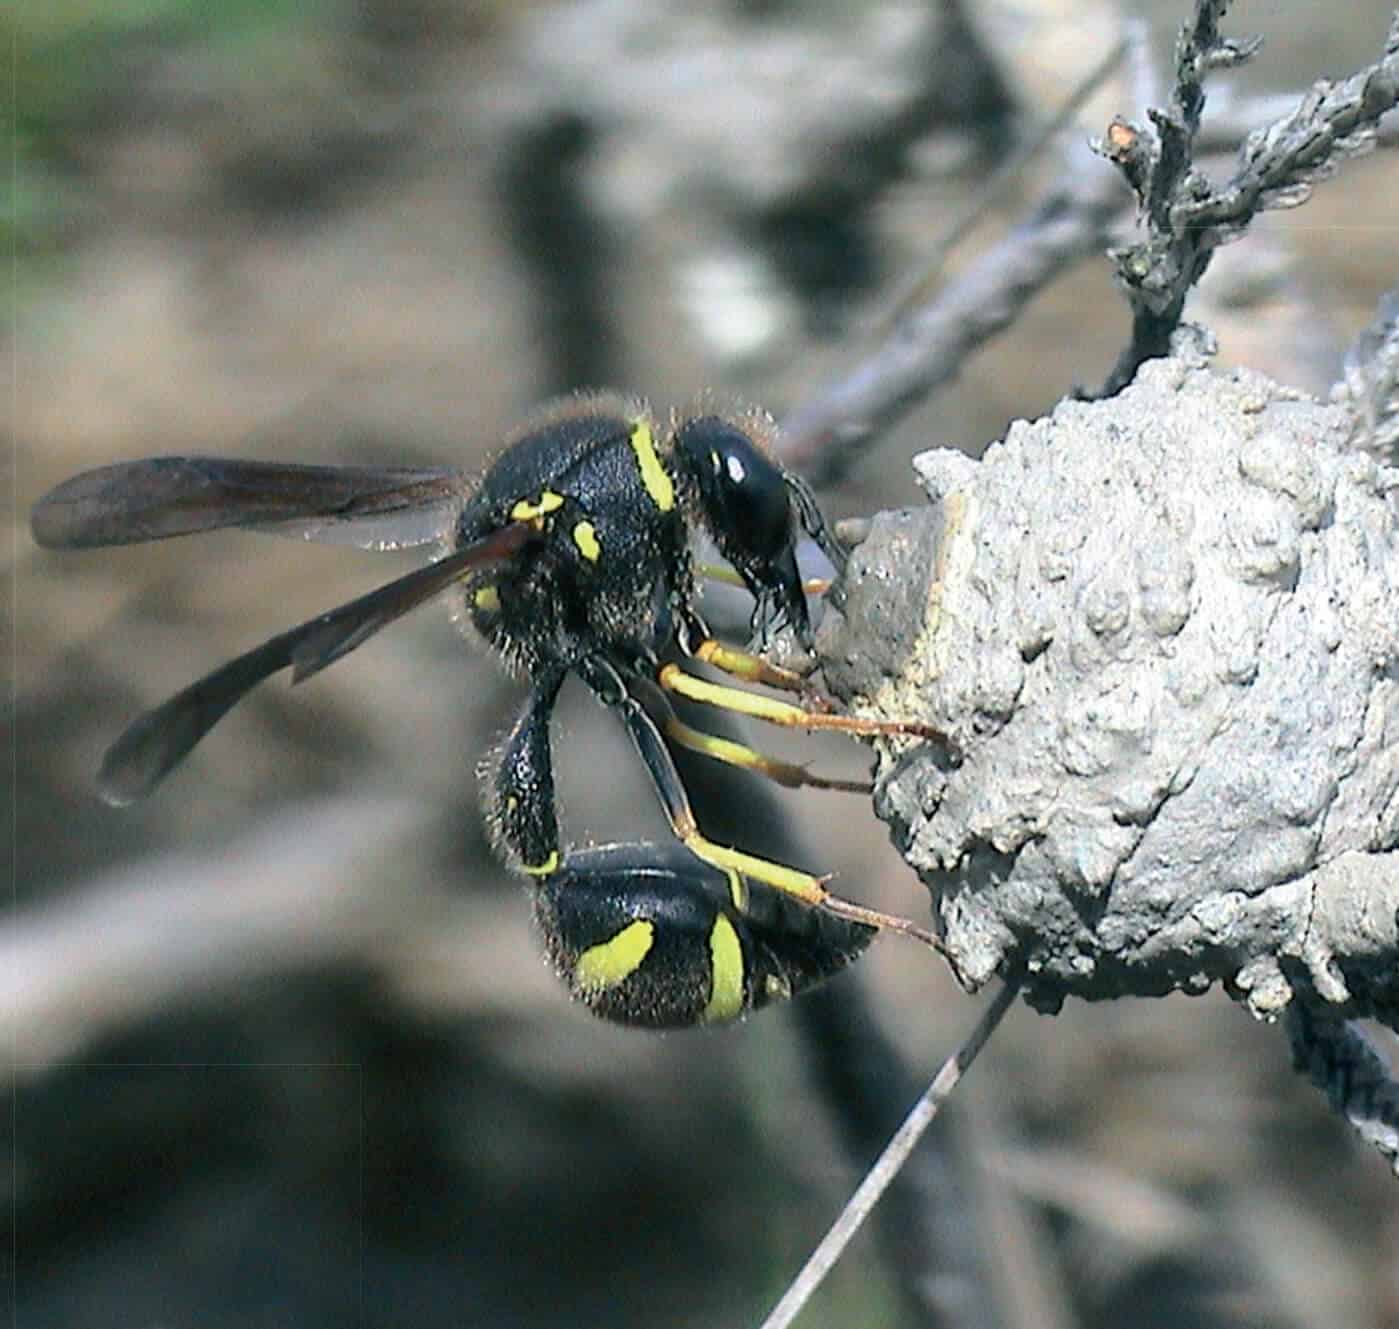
(615, 960)
(726, 964)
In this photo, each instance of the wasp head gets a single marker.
(753, 509)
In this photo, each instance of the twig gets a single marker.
(1186, 217)
(926, 1243)
(887, 1166)
(981, 202)
(145, 939)
(825, 436)
(1340, 1060)
(1279, 164)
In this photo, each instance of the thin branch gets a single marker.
(826, 435)
(926, 346)
(1186, 217)
(887, 1166)
(1279, 164)
(928, 1246)
(1232, 120)
(168, 931)
(995, 188)
(1338, 1057)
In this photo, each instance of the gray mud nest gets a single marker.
(1162, 635)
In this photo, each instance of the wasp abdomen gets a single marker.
(650, 935)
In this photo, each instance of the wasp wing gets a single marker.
(374, 507)
(160, 739)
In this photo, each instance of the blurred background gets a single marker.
(281, 1045)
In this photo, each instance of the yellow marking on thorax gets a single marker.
(548, 866)
(548, 502)
(487, 599)
(653, 474)
(585, 537)
(726, 965)
(615, 960)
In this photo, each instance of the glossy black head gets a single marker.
(753, 509)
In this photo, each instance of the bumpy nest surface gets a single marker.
(1163, 634)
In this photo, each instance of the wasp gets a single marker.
(571, 556)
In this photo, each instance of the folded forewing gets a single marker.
(373, 507)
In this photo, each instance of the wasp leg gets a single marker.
(815, 523)
(751, 668)
(674, 679)
(646, 737)
(786, 773)
(721, 572)
(520, 792)
(651, 935)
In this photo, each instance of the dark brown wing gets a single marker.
(374, 507)
(159, 740)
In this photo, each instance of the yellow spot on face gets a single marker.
(615, 960)
(653, 474)
(778, 988)
(586, 539)
(548, 502)
(487, 599)
(726, 964)
(549, 865)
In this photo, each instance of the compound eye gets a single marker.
(744, 493)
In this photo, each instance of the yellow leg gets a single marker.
(784, 773)
(751, 668)
(794, 882)
(674, 679)
(660, 765)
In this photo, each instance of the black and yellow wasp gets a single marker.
(571, 556)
